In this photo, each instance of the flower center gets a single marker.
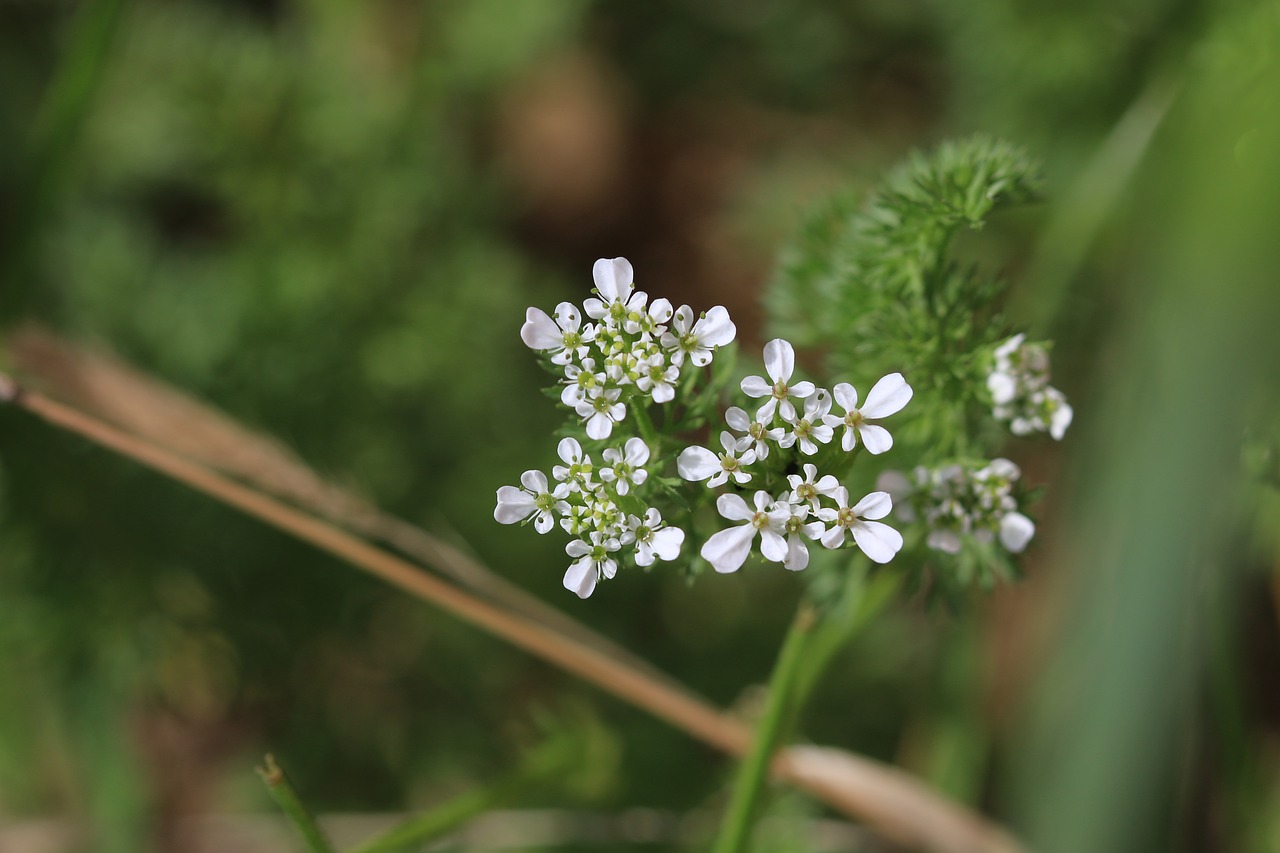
(780, 389)
(601, 404)
(793, 524)
(846, 517)
(756, 431)
(599, 554)
(644, 533)
(803, 428)
(760, 520)
(854, 418)
(572, 340)
(806, 491)
(688, 342)
(544, 501)
(728, 463)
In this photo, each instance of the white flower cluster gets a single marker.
(957, 500)
(796, 415)
(634, 347)
(585, 499)
(1020, 389)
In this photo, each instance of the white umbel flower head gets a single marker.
(698, 463)
(779, 364)
(698, 339)
(594, 560)
(727, 550)
(653, 539)
(1021, 393)
(533, 501)
(887, 397)
(563, 337)
(878, 541)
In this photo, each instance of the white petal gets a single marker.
(613, 277)
(595, 308)
(569, 450)
(1002, 386)
(801, 390)
(734, 508)
(667, 542)
(875, 438)
(715, 329)
(839, 494)
(660, 310)
(779, 360)
(539, 331)
(1016, 531)
(880, 542)
(663, 393)
(1061, 420)
(797, 553)
(535, 481)
(610, 567)
(682, 320)
(544, 522)
(644, 554)
(697, 463)
(568, 316)
(833, 538)
(727, 550)
(577, 548)
(887, 396)
(580, 579)
(756, 386)
(700, 357)
(599, 426)
(514, 505)
(737, 419)
(846, 395)
(636, 452)
(874, 505)
(772, 546)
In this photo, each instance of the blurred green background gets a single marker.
(327, 218)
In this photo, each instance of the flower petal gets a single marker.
(715, 329)
(874, 505)
(797, 554)
(737, 419)
(580, 579)
(636, 452)
(1016, 531)
(779, 360)
(613, 277)
(534, 481)
(599, 426)
(887, 396)
(514, 505)
(568, 316)
(697, 463)
(539, 331)
(846, 395)
(667, 542)
(756, 386)
(875, 438)
(734, 508)
(833, 538)
(878, 541)
(727, 550)
(772, 545)
(569, 450)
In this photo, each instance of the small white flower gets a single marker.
(727, 550)
(810, 488)
(698, 340)
(760, 435)
(795, 525)
(779, 364)
(657, 379)
(1020, 390)
(878, 541)
(601, 413)
(626, 466)
(1016, 531)
(582, 383)
(576, 470)
(698, 463)
(594, 561)
(533, 501)
(810, 428)
(886, 397)
(653, 539)
(562, 337)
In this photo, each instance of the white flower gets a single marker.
(1016, 531)
(795, 525)
(561, 336)
(878, 541)
(532, 501)
(601, 413)
(809, 488)
(727, 550)
(810, 428)
(779, 364)
(657, 379)
(594, 560)
(760, 435)
(582, 383)
(653, 539)
(1020, 390)
(576, 470)
(698, 340)
(626, 466)
(887, 397)
(698, 463)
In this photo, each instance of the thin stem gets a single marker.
(735, 832)
(640, 414)
(287, 799)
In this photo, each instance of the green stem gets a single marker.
(735, 832)
(287, 799)
(645, 425)
(539, 767)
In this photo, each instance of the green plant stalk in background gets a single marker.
(287, 798)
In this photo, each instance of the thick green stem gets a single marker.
(287, 799)
(735, 832)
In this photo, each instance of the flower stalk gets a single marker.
(287, 799)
